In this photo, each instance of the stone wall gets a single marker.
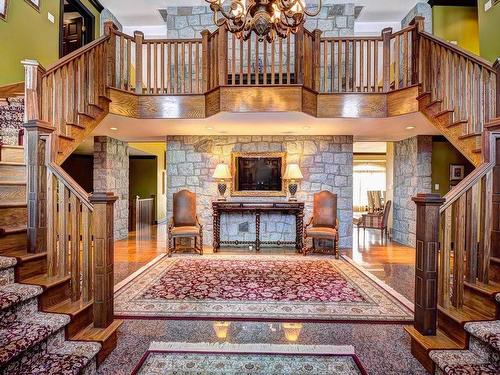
(412, 175)
(325, 161)
(420, 9)
(334, 20)
(111, 174)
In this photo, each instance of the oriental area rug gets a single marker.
(255, 359)
(260, 287)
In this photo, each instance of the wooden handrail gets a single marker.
(73, 55)
(71, 184)
(464, 53)
(12, 89)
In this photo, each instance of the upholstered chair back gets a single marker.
(387, 209)
(184, 209)
(325, 209)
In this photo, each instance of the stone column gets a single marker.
(111, 174)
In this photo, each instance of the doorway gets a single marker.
(77, 25)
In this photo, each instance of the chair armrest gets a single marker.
(337, 224)
(198, 222)
(170, 223)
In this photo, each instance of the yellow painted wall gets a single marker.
(28, 34)
(455, 23)
(158, 149)
(489, 31)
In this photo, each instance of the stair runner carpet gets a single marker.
(482, 357)
(33, 342)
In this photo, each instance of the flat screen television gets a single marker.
(258, 174)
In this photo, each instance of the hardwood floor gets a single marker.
(391, 262)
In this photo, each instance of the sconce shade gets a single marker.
(222, 172)
(292, 172)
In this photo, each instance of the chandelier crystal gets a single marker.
(267, 18)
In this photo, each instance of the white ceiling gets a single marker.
(281, 123)
(145, 12)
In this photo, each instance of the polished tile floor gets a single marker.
(382, 348)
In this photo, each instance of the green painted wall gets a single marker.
(28, 34)
(489, 30)
(444, 154)
(455, 23)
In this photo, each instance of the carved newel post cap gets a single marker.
(425, 198)
(103, 196)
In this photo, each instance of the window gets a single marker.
(367, 176)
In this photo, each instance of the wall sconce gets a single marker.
(222, 174)
(292, 173)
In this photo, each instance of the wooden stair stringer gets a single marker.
(442, 119)
(86, 125)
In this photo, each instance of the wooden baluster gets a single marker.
(273, 76)
(75, 247)
(155, 68)
(176, 68)
(129, 65)
(197, 79)
(375, 67)
(190, 67)
(426, 262)
(354, 65)
(121, 63)
(386, 57)
(405, 59)
(459, 251)
(162, 67)
(257, 78)
(316, 59)
(362, 66)
(233, 58)
(397, 57)
(347, 66)
(444, 258)
(280, 61)
(339, 66)
(103, 260)
(222, 55)
(416, 50)
(299, 56)
(325, 66)
(63, 253)
(87, 255)
(249, 61)
(139, 38)
(288, 61)
(496, 89)
(485, 225)
(473, 202)
(205, 59)
(148, 68)
(169, 68)
(51, 226)
(369, 66)
(332, 66)
(183, 68)
(264, 73)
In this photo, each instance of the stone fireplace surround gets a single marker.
(325, 161)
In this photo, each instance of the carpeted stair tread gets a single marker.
(487, 331)
(70, 358)
(13, 294)
(462, 362)
(7, 262)
(19, 333)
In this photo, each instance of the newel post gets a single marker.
(426, 262)
(103, 228)
(205, 34)
(36, 186)
(386, 57)
(33, 73)
(418, 21)
(139, 39)
(109, 28)
(222, 55)
(317, 59)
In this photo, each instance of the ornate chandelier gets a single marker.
(267, 18)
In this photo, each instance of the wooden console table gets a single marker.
(257, 208)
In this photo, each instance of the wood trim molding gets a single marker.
(239, 99)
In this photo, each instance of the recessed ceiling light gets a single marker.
(113, 128)
(410, 127)
(306, 127)
(209, 128)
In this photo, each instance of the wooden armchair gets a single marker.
(184, 222)
(377, 220)
(324, 223)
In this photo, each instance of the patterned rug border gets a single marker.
(262, 349)
(390, 291)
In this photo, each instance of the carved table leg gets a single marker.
(299, 229)
(216, 231)
(257, 231)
